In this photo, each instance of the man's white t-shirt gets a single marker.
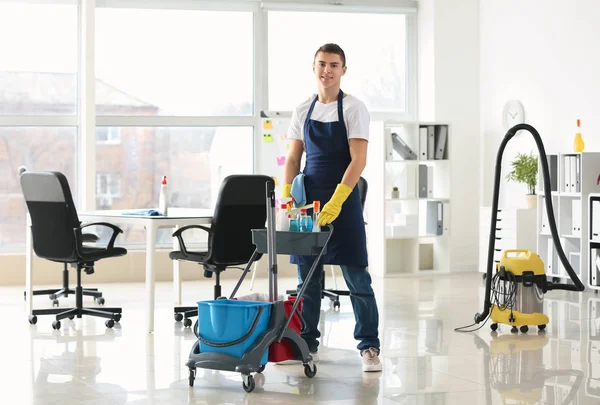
(356, 117)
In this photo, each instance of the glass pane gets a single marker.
(38, 59)
(36, 148)
(375, 57)
(195, 161)
(174, 62)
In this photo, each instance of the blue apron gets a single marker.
(327, 158)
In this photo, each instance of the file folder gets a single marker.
(402, 148)
(422, 181)
(567, 174)
(430, 142)
(440, 146)
(429, 181)
(423, 143)
(576, 217)
(434, 221)
(446, 218)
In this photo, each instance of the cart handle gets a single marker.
(235, 342)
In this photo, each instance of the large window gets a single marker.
(36, 148)
(38, 58)
(194, 159)
(174, 62)
(375, 48)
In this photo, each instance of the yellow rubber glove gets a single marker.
(332, 209)
(286, 191)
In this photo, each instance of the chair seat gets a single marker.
(198, 257)
(95, 253)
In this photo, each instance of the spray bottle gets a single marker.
(162, 198)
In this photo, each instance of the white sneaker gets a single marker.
(315, 357)
(371, 360)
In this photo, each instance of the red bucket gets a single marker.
(284, 350)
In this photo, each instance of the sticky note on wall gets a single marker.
(280, 160)
(268, 138)
(267, 124)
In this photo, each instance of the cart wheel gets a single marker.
(192, 376)
(251, 384)
(494, 326)
(32, 319)
(261, 368)
(56, 325)
(336, 304)
(55, 303)
(524, 329)
(541, 327)
(514, 329)
(187, 322)
(308, 372)
(110, 323)
(178, 317)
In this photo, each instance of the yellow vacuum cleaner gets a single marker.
(514, 294)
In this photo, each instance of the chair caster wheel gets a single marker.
(52, 296)
(514, 329)
(117, 317)
(72, 317)
(32, 319)
(494, 326)
(100, 300)
(55, 303)
(524, 329)
(187, 322)
(541, 327)
(336, 305)
(249, 387)
(178, 317)
(56, 325)
(261, 368)
(110, 323)
(192, 376)
(310, 373)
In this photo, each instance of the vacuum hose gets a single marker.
(578, 285)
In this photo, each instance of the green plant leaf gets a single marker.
(524, 170)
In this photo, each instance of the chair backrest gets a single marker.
(241, 206)
(53, 215)
(363, 187)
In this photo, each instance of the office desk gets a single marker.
(178, 217)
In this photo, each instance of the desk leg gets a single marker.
(176, 275)
(150, 276)
(28, 271)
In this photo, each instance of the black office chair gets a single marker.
(57, 236)
(334, 295)
(55, 293)
(240, 207)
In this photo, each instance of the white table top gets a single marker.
(173, 213)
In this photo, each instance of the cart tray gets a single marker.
(292, 243)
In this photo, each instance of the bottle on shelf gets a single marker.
(578, 143)
(162, 198)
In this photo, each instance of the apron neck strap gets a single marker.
(339, 105)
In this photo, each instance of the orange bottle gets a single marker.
(578, 143)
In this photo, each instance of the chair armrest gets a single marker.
(89, 237)
(177, 234)
(116, 231)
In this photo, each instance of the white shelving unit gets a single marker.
(400, 240)
(573, 177)
(593, 239)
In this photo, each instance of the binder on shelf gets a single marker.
(553, 167)
(429, 181)
(411, 181)
(422, 181)
(594, 266)
(576, 217)
(545, 227)
(389, 147)
(446, 218)
(595, 218)
(434, 220)
(550, 258)
(423, 143)
(573, 175)
(402, 148)
(440, 145)
(430, 142)
(567, 174)
(577, 173)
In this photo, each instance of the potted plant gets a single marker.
(525, 169)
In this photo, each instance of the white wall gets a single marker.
(543, 53)
(449, 92)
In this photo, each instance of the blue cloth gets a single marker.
(327, 158)
(363, 302)
(298, 191)
(151, 213)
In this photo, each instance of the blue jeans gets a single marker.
(363, 302)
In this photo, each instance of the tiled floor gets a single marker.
(425, 360)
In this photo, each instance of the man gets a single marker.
(333, 129)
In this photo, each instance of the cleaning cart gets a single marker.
(235, 335)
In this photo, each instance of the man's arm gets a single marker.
(358, 153)
(292, 162)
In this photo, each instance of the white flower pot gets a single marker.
(531, 200)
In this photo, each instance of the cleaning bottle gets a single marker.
(303, 222)
(315, 222)
(162, 198)
(579, 144)
(283, 224)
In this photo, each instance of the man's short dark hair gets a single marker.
(333, 48)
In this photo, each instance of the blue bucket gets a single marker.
(232, 326)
